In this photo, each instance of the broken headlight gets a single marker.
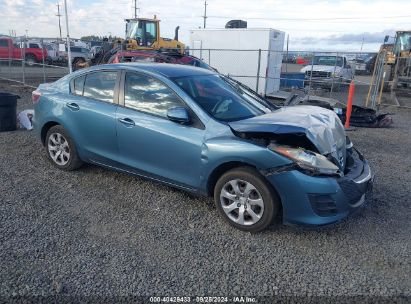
(307, 160)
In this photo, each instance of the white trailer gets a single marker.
(235, 52)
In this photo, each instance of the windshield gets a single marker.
(218, 98)
(403, 42)
(250, 95)
(328, 60)
(145, 32)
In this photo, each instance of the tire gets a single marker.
(30, 59)
(59, 143)
(77, 62)
(260, 191)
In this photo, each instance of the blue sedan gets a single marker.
(202, 132)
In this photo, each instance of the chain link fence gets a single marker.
(325, 74)
(28, 63)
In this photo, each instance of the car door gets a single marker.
(89, 113)
(149, 143)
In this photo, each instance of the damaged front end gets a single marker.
(327, 178)
(313, 138)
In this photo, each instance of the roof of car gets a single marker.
(166, 69)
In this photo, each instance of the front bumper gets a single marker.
(323, 82)
(314, 200)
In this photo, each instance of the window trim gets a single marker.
(195, 120)
(116, 86)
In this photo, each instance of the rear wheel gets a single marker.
(246, 200)
(61, 150)
(30, 59)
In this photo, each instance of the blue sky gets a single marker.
(315, 24)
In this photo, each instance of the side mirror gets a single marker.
(179, 115)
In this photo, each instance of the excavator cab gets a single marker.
(402, 53)
(402, 42)
(144, 34)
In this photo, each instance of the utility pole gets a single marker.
(135, 8)
(205, 13)
(59, 15)
(68, 38)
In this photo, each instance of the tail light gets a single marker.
(35, 96)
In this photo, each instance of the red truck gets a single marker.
(8, 50)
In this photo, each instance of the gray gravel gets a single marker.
(95, 232)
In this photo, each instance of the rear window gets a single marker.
(79, 85)
(100, 85)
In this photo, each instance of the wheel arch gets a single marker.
(47, 126)
(224, 167)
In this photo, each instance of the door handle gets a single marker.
(127, 121)
(73, 106)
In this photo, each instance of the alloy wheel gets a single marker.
(58, 149)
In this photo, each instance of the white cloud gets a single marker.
(102, 17)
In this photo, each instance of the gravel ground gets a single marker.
(98, 233)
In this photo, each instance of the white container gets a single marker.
(235, 52)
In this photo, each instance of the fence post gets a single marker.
(209, 54)
(333, 74)
(286, 57)
(258, 69)
(23, 60)
(42, 52)
(10, 61)
(311, 74)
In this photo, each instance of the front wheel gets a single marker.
(246, 200)
(61, 150)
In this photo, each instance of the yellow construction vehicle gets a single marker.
(144, 34)
(397, 60)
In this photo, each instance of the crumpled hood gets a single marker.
(321, 126)
(322, 68)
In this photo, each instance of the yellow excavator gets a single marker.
(392, 68)
(397, 60)
(144, 34)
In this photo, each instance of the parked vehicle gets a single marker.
(219, 139)
(79, 55)
(328, 71)
(94, 50)
(32, 54)
(54, 55)
(160, 57)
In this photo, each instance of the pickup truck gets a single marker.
(9, 50)
(328, 71)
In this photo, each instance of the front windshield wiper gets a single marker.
(242, 87)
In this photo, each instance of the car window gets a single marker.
(3, 43)
(100, 85)
(79, 85)
(149, 95)
(218, 98)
